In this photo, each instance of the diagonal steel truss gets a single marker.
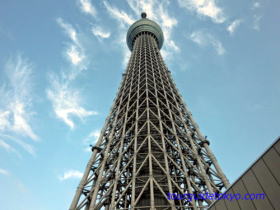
(150, 144)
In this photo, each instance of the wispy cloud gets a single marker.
(143, 6)
(124, 20)
(4, 172)
(16, 103)
(87, 7)
(256, 16)
(100, 33)
(93, 136)
(256, 5)
(23, 144)
(14, 111)
(75, 51)
(71, 174)
(233, 26)
(91, 139)
(66, 101)
(205, 39)
(4, 118)
(256, 22)
(167, 23)
(17, 140)
(206, 8)
(75, 55)
(120, 15)
(8, 147)
(70, 31)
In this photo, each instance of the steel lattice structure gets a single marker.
(150, 144)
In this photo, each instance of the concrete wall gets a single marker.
(262, 177)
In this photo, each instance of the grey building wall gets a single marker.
(262, 177)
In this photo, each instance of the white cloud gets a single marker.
(121, 41)
(119, 15)
(256, 17)
(16, 103)
(21, 124)
(4, 119)
(143, 6)
(124, 20)
(26, 146)
(256, 5)
(233, 26)
(19, 72)
(66, 102)
(204, 7)
(100, 32)
(4, 172)
(75, 51)
(16, 118)
(204, 39)
(91, 139)
(219, 47)
(167, 24)
(166, 21)
(70, 31)
(87, 7)
(10, 148)
(6, 146)
(95, 134)
(256, 22)
(198, 38)
(71, 174)
(74, 55)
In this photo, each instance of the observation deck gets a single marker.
(144, 25)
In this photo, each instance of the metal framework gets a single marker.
(150, 144)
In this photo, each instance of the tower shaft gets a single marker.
(150, 145)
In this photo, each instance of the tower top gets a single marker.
(144, 25)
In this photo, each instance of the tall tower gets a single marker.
(150, 145)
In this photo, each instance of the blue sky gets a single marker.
(61, 63)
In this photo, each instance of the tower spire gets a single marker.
(150, 147)
(143, 14)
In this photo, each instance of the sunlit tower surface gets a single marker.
(150, 145)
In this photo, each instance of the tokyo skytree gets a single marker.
(150, 146)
